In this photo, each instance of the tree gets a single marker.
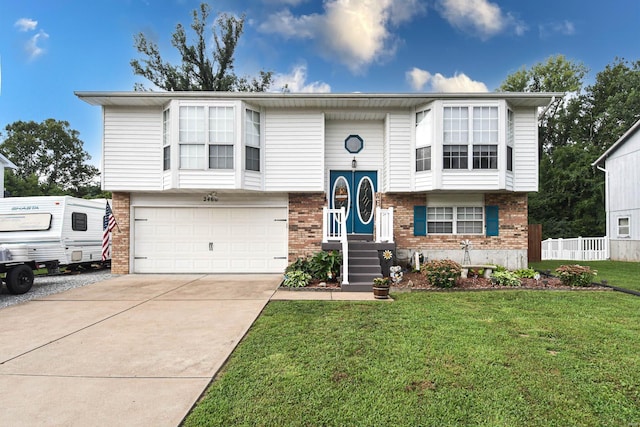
(198, 71)
(50, 158)
(573, 134)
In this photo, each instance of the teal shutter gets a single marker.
(491, 217)
(419, 220)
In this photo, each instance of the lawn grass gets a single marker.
(499, 358)
(616, 273)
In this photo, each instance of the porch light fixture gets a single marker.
(354, 163)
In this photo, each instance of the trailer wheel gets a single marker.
(19, 279)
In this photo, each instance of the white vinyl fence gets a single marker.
(578, 249)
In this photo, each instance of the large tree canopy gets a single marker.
(572, 135)
(51, 160)
(199, 71)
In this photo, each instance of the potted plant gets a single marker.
(381, 287)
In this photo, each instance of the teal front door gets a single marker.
(355, 190)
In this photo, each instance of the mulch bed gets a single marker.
(418, 282)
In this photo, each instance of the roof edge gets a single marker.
(616, 144)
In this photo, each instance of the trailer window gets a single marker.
(79, 221)
(25, 222)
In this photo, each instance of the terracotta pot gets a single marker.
(380, 292)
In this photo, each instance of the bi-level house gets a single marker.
(214, 182)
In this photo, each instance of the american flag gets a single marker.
(108, 224)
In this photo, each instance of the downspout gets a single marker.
(606, 208)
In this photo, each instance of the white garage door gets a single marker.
(210, 240)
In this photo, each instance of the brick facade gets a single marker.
(513, 223)
(305, 224)
(120, 235)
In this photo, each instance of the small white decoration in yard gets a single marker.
(396, 274)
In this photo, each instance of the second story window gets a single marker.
(166, 140)
(252, 140)
(423, 140)
(206, 136)
(470, 130)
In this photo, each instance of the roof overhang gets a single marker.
(6, 162)
(616, 144)
(315, 100)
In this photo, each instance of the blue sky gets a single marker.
(51, 48)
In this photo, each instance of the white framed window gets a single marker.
(206, 135)
(423, 140)
(510, 139)
(624, 226)
(455, 220)
(166, 139)
(476, 129)
(252, 140)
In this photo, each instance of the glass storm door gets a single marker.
(355, 192)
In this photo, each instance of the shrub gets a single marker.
(526, 273)
(301, 264)
(322, 265)
(442, 273)
(576, 275)
(296, 279)
(506, 278)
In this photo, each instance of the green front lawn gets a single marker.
(498, 358)
(616, 273)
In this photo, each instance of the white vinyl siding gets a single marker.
(399, 158)
(293, 150)
(132, 148)
(338, 158)
(525, 152)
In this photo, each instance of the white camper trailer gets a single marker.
(47, 232)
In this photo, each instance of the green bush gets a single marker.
(506, 278)
(321, 265)
(576, 275)
(526, 273)
(296, 279)
(442, 273)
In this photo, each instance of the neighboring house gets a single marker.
(212, 182)
(622, 195)
(4, 163)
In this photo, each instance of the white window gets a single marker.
(475, 133)
(252, 140)
(166, 140)
(510, 139)
(455, 220)
(624, 227)
(205, 133)
(423, 140)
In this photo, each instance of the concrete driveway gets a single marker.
(135, 350)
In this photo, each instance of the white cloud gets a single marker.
(418, 79)
(480, 17)
(565, 28)
(32, 46)
(355, 32)
(26, 24)
(296, 81)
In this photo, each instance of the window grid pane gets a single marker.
(485, 157)
(423, 159)
(166, 158)
(455, 157)
(165, 127)
(252, 159)
(252, 128)
(221, 124)
(464, 220)
(485, 125)
(191, 124)
(456, 125)
(221, 156)
(510, 158)
(191, 156)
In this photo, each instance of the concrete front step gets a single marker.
(357, 287)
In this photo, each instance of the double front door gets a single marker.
(355, 190)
